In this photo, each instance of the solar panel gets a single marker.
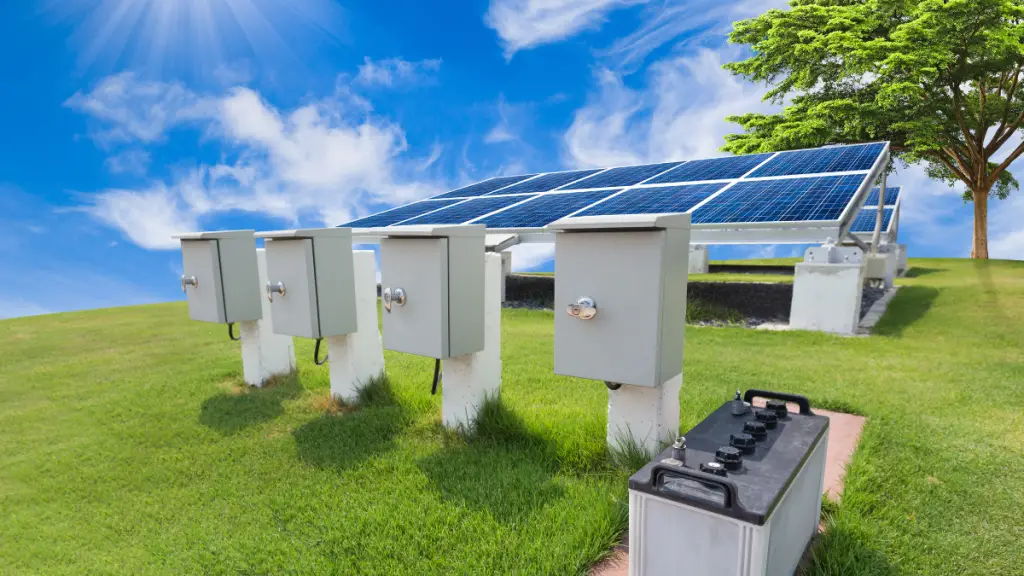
(660, 200)
(892, 193)
(786, 200)
(711, 169)
(626, 176)
(865, 221)
(543, 210)
(481, 188)
(466, 211)
(396, 215)
(734, 199)
(822, 160)
(546, 182)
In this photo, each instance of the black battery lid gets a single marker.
(751, 492)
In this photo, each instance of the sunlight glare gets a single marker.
(195, 37)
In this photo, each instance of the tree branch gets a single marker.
(948, 164)
(991, 149)
(960, 120)
(994, 174)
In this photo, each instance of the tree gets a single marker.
(940, 79)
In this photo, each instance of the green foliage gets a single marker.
(940, 79)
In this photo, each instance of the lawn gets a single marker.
(128, 444)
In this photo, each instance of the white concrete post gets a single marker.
(356, 358)
(827, 290)
(264, 354)
(901, 259)
(647, 416)
(882, 266)
(506, 269)
(468, 380)
(698, 263)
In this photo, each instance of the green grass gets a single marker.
(129, 445)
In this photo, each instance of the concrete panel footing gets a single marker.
(698, 259)
(467, 381)
(264, 354)
(645, 416)
(827, 290)
(356, 358)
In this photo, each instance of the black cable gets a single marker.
(316, 354)
(437, 376)
(231, 334)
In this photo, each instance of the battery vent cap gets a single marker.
(729, 457)
(715, 468)
(779, 407)
(755, 429)
(745, 442)
(767, 417)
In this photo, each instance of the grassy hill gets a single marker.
(128, 444)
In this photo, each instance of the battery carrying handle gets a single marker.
(801, 401)
(662, 471)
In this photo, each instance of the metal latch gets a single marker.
(188, 281)
(274, 287)
(585, 308)
(389, 297)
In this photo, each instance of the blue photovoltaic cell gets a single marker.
(543, 210)
(660, 200)
(711, 169)
(398, 214)
(626, 176)
(892, 193)
(481, 188)
(822, 160)
(787, 200)
(466, 211)
(546, 182)
(865, 221)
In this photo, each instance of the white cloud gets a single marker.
(524, 24)
(393, 72)
(680, 115)
(128, 108)
(133, 161)
(502, 130)
(696, 20)
(329, 160)
(526, 257)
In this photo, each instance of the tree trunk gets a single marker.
(979, 247)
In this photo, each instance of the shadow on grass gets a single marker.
(499, 467)
(340, 441)
(910, 305)
(917, 272)
(231, 412)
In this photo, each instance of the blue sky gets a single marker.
(125, 121)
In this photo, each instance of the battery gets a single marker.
(727, 510)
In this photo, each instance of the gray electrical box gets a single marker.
(432, 290)
(620, 297)
(220, 277)
(311, 282)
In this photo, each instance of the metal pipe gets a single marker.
(879, 218)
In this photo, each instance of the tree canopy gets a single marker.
(940, 79)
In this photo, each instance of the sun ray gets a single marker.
(193, 37)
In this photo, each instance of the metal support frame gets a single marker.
(880, 217)
(860, 243)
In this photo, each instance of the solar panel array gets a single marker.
(865, 221)
(787, 200)
(816, 185)
(892, 194)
